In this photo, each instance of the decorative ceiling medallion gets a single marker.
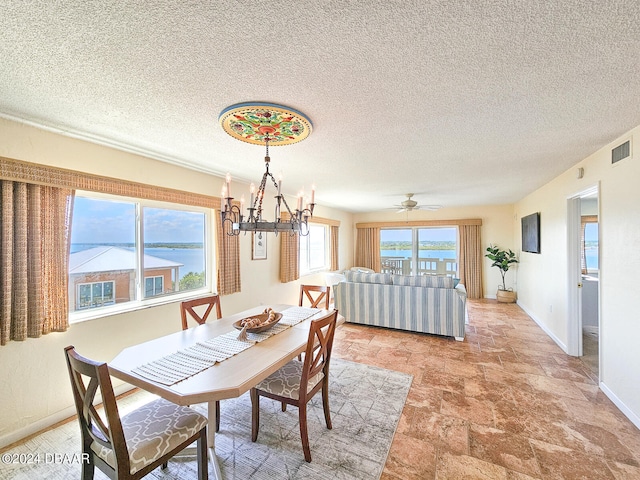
(254, 122)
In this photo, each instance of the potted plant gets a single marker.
(503, 260)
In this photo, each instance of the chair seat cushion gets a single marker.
(153, 430)
(286, 381)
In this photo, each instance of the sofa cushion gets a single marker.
(361, 277)
(432, 281)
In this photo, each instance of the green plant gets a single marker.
(501, 259)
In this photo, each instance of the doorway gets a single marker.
(584, 278)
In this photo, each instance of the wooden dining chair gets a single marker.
(315, 294)
(188, 307)
(297, 382)
(131, 446)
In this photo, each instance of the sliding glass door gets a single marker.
(419, 251)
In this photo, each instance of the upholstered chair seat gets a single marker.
(153, 430)
(286, 381)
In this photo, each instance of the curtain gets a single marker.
(584, 220)
(228, 258)
(368, 248)
(35, 223)
(471, 259)
(289, 257)
(334, 233)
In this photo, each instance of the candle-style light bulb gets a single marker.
(300, 196)
(279, 182)
(252, 189)
(313, 194)
(229, 184)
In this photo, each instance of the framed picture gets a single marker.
(531, 233)
(259, 246)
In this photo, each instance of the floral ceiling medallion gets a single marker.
(257, 122)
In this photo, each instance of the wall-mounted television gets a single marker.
(531, 233)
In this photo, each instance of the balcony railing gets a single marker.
(426, 266)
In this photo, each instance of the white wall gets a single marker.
(543, 279)
(497, 228)
(34, 386)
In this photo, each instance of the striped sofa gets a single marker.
(427, 304)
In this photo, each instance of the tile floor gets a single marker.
(507, 403)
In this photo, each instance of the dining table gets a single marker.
(229, 378)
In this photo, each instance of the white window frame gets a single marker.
(91, 284)
(141, 302)
(154, 278)
(306, 238)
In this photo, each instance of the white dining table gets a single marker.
(227, 379)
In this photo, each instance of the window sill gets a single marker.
(118, 309)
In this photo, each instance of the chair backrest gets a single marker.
(188, 307)
(318, 353)
(87, 379)
(315, 294)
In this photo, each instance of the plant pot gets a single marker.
(506, 296)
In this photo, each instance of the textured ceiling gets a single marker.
(462, 102)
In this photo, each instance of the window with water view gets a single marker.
(419, 251)
(108, 266)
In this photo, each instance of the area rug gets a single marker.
(365, 402)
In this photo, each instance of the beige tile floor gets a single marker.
(507, 403)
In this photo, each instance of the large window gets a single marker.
(125, 253)
(419, 251)
(314, 249)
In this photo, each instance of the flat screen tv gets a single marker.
(531, 233)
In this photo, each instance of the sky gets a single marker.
(106, 221)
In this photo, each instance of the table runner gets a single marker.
(189, 361)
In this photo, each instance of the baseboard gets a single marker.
(621, 406)
(50, 420)
(544, 328)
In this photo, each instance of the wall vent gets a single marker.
(621, 152)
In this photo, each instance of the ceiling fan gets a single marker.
(409, 205)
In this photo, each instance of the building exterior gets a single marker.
(105, 275)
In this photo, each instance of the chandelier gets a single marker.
(263, 123)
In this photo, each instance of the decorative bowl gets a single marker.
(259, 328)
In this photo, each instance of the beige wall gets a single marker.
(497, 228)
(34, 390)
(543, 279)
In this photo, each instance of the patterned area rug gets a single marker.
(365, 401)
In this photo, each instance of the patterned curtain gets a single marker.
(334, 232)
(35, 223)
(228, 258)
(368, 248)
(289, 257)
(471, 259)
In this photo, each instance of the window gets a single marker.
(590, 248)
(153, 286)
(91, 295)
(314, 249)
(419, 251)
(125, 253)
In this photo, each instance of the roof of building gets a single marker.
(109, 259)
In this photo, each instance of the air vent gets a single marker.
(621, 152)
